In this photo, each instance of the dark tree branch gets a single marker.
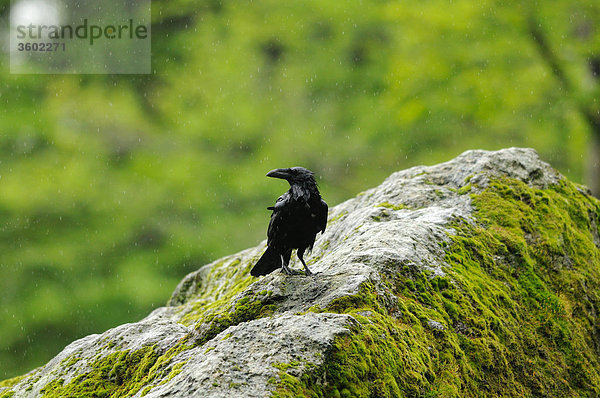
(590, 114)
(547, 54)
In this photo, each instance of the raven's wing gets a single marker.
(322, 215)
(279, 201)
(275, 230)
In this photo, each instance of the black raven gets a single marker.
(298, 215)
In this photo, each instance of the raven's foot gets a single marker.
(307, 270)
(288, 271)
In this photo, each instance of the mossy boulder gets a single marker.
(476, 277)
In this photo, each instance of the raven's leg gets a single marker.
(287, 270)
(300, 254)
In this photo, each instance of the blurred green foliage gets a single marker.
(113, 187)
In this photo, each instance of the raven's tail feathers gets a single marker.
(269, 262)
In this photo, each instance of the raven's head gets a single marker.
(294, 175)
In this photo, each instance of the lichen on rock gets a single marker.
(475, 277)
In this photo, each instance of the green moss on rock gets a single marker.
(392, 206)
(119, 374)
(11, 382)
(245, 309)
(465, 189)
(516, 315)
(5, 386)
(336, 218)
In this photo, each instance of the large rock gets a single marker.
(475, 277)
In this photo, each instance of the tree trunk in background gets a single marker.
(588, 110)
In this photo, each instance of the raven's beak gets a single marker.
(279, 173)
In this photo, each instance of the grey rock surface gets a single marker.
(401, 223)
